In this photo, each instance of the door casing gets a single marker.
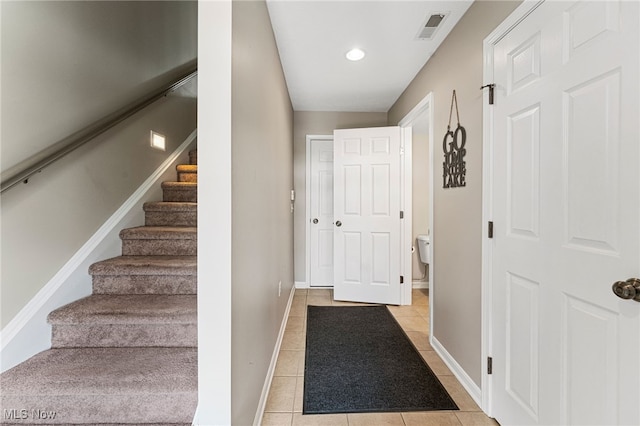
(422, 109)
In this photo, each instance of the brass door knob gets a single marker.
(629, 289)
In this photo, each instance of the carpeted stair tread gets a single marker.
(180, 191)
(128, 309)
(91, 385)
(100, 371)
(166, 206)
(159, 241)
(146, 265)
(187, 173)
(171, 214)
(179, 185)
(187, 168)
(160, 233)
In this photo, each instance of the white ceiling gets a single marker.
(313, 37)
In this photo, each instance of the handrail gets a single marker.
(77, 139)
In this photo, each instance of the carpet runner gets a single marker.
(359, 360)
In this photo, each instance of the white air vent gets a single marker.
(430, 26)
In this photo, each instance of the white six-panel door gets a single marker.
(566, 216)
(321, 213)
(367, 215)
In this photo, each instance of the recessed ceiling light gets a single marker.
(355, 54)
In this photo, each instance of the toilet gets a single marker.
(424, 247)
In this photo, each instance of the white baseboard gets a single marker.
(272, 366)
(474, 391)
(304, 286)
(420, 284)
(301, 285)
(28, 332)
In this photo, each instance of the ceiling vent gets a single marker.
(429, 28)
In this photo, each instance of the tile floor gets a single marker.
(284, 404)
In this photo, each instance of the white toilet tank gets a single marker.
(424, 245)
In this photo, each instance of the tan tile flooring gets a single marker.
(284, 404)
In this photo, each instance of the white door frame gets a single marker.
(307, 250)
(424, 107)
(519, 14)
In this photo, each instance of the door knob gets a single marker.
(629, 289)
(315, 220)
(338, 223)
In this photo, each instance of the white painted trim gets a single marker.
(406, 203)
(257, 421)
(426, 105)
(215, 237)
(486, 349)
(464, 379)
(417, 110)
(307, 214)
(28, 330)
(301, 285)
(420, 284)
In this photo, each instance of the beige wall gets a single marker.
(457, 64)
(317, 123)
(64, 64)
(262, 224)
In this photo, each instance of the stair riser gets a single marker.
(124, 335)
(156, 218)
(159, 247)
(95, 409)
(187, 177)
(193, 157)
(186, 195)
(145, 284)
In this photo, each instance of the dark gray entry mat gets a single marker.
(358, 360)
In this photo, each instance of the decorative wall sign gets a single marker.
(454, 167)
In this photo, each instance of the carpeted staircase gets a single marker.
(127, 354)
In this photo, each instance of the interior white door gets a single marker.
(321, 213)
(367, 215)
(566, 217)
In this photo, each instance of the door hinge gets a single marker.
(489, 365)
(401, 214)
(490, 230)
(490, 86)
(401, 279)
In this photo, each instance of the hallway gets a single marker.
(284, 405)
